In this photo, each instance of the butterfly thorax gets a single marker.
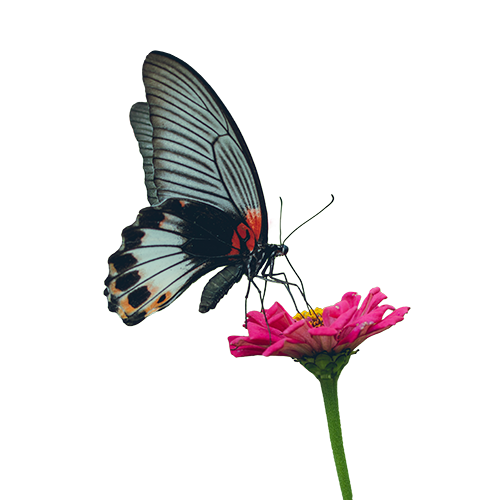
(263, 259)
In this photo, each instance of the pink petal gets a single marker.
(392, 319)
(263, 332)
(352, 299)
(278, 317)
(323, 330)
(372, 300)
(239, 351)
(286, 346)
(341, 320)
(331, 313)
(298, 331)
(255, 317)
(374, 316)
(326, 338)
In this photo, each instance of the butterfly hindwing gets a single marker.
(168, 247)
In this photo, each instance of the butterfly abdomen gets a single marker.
(218, 286)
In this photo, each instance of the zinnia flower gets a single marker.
(322, 341)
(333, 329)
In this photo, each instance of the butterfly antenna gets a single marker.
(301, 287)
(310, 218)
(281, 214)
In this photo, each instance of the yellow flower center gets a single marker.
(316, 315)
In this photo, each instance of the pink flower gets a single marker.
(333, 329)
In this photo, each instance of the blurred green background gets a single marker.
(356, 106)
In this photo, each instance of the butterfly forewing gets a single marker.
(199, 153)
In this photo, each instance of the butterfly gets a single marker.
(207, 206)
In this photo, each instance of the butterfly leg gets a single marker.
(268, 275)
(287, 284)
(262, 309)
(246, 303)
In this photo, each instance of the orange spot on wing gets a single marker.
(166, 218)
(182, 202)
(113, 289)
(126, 308)
(155, 306)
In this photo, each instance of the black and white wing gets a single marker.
(167, 249)
(199, 152)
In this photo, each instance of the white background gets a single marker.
(51, 189)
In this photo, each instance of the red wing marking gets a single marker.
(253, 218)
(249, 231)
(247, 234)
(235, 243)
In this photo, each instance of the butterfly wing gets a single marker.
(167, 248)
(208, 208)
(143, 131)
(199, 152)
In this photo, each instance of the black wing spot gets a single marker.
(121, 262)
(127, 281)
(132, 237)
(139, 296)
(161, 299)
(150, 218)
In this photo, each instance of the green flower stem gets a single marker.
(329, 388)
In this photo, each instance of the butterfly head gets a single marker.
(281, 250)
